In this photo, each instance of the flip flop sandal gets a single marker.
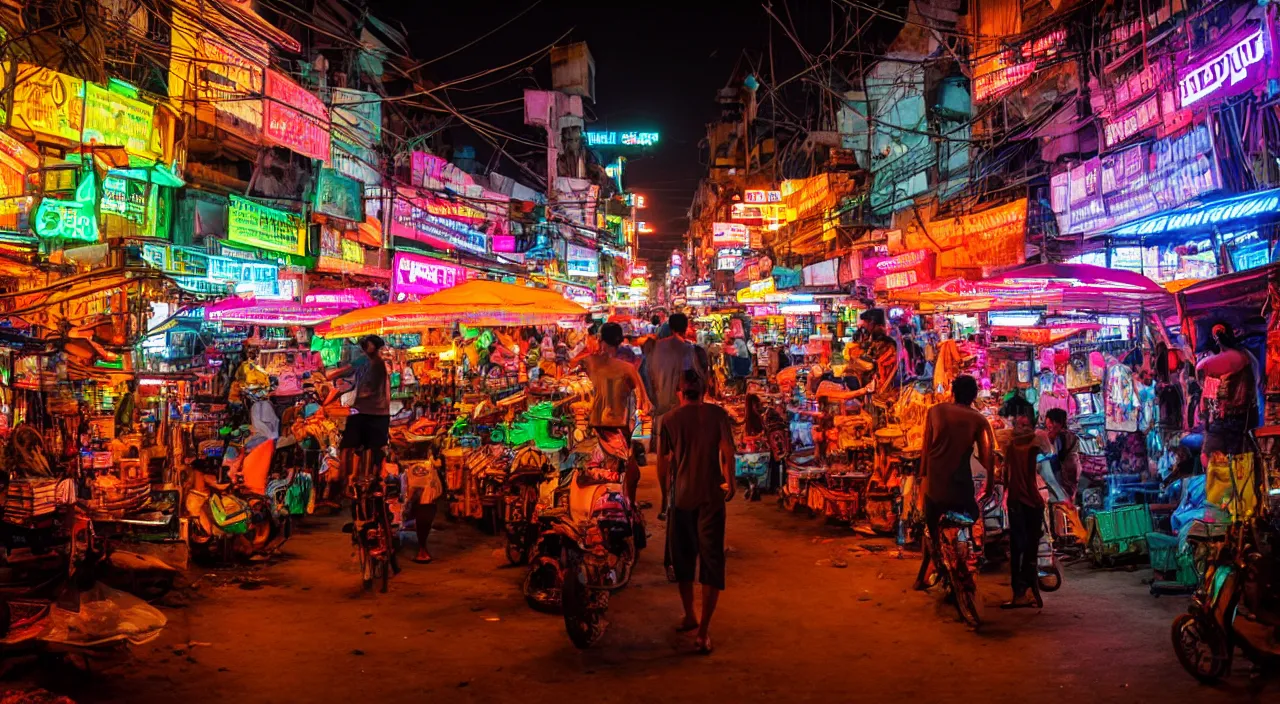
(704, 646)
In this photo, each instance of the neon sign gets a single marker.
(644, 228)
(418, 275)
(257, 225)
(70, 219)
(582, 261)
(729, 234)
(632, 138)
(1249, 205)
(116, 120)
(48, 102)
(408, 220)
(755, 196)
(294, 118)
(1230, 70)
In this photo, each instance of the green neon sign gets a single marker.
(70, 219)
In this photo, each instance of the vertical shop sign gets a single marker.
(259, 226)
(1232, 65)
(339, 196)
(294, 118)
(48, 102)
(356, 117)
(116, 120)
(416, 275)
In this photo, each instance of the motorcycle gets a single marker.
(529, 469)
(591, 537)
(954, 566)
(1237, 604)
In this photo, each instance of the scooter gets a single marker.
(1237, 604)
(591, 537)
(529, 469)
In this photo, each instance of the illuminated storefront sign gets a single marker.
(729, 259)
(113, 119)
(16, 155)
(823, 274)
(416, 275)
(991, 238)
(699, 292)
(357, 162)
(356, 116)
(901, 271)
(757, 197)
(210, 76)
(729, 234)
(1136, 182)
(1012, 68)
(345, 299)
(70, 219)
(257, 225)
(1138, 118)
(757, 291)
(787, 277)
(1232, 65)
(125, 197)
(596, 138)
(1245, 206)
(415, 223)
(294, 118)
(48, 102)
(339, 196)
(581, 261)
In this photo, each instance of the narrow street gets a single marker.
(791, 627)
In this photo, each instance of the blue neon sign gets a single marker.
(1225, 210)
(631, 138)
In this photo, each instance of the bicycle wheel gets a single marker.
(962, 584)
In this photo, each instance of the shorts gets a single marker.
(366, 432)
(695, 538)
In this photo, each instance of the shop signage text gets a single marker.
(632, 138)
(339, 196)
(48, 102)
(414, 274)
(294, 118)
(728, 234)
(408, 220)
(1232, 65)
(260, 226)
(756, 197)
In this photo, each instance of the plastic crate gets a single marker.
(1124, 524)
(1164, 552)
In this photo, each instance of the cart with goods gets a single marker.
(1118, 534)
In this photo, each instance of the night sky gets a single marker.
(656, 69)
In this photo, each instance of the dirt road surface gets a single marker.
(791, 627)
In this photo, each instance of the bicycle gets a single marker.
(371, 527)
(953, 566)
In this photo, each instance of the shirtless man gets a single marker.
(1228, 404)
(615, 381)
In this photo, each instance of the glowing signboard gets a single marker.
(259, 226)
(116, 120)
(754, 196)
(757, 291)
(415, 223)
(644, 228)
(356, 116)
(17, 155)
(639, 269)
(416, 275)
(213, 77)
(729, 234)
(339, 196)
(48, 102)
(70, 219)
(1012, 68)
(1232, 65)
(729, 259)
(581, 261)
(1248, 205)
(597, 138)
(294, 118)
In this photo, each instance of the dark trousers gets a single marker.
(1026, 525)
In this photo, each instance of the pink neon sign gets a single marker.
(416, 275)
(294, 118)
(1230, 66)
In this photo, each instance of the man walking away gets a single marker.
(666, 366)
(951, 432)
(1026, 508)
(695, 458)
(369, 426)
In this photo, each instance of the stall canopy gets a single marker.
(1240, 300)
(477, 303)
(1061, 286)
(250, 311)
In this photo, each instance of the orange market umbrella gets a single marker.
(477, 303)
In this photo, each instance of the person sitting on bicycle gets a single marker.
(615, 382)
(369, 425)
(951, 432)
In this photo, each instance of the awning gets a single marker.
(1059, 286)
(1202, 216)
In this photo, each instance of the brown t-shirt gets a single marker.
(692, 434)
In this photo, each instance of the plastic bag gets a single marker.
(105, 615)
